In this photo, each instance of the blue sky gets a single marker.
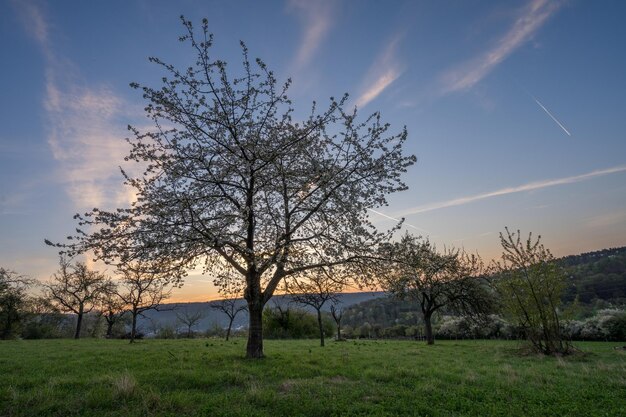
(515, 110)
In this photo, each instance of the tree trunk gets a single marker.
(109, 329)
(133, 329)
(12, 316)
(8, 328)
(430, 338)
(230, 325)
(338, 330)
(79, 322)
(319, 323)
(254, 349)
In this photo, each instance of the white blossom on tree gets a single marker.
(230, 176)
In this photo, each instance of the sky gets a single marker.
(515, 110)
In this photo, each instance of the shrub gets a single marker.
(288, 323)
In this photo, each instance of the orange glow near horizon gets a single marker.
(190, 293)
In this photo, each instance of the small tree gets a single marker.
(111, 306)
(415, 270)
(530, 283)
(75, 288)
(189, 319)
(337, 314)
(315, 290)
(143, 288)
(231, 304)
(13, 301)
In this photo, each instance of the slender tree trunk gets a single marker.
(79, 322)
(430, 338)
(338, 330)
(319, 323)
(12, 318)
(109, 329)
(254, 348)
(133, 329)
(230, 325)
(8, 328)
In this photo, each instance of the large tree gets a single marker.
(74, 288)
(230, 176)
(415, 270)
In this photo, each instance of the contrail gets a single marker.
(393, 218)
(537, 185)
(550, 114)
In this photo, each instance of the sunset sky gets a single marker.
(515, 110)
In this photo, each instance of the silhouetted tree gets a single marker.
(13, 301)
(143, 288)
(228, 177)
(231, 304)
(111, 306)
(189, 319)
(315, 290)
(74, 288)
(337, 314)
(415, 270)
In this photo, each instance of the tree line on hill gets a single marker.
(596, 276)
(600, 318)
(593, 302)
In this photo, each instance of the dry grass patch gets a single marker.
(288, 385)
(471, 376)
(510, 373)
(124, 386)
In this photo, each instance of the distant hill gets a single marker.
(595, 278)
(167, 314)
(592, 276)
(599, 275)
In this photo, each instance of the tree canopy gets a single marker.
(75, 288)
(230, 178)
(530, 283)
(416, 270)
(13, 301)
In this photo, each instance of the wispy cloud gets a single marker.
(85, 131)
(511, 190)
(528, 22)
(317, 18)
(86, 138)
(12, 204)
(33, 21)
(605, 220)
(479, 236)
(383, 72)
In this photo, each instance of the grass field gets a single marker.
(210, 377)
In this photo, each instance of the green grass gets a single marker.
(211, 377)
